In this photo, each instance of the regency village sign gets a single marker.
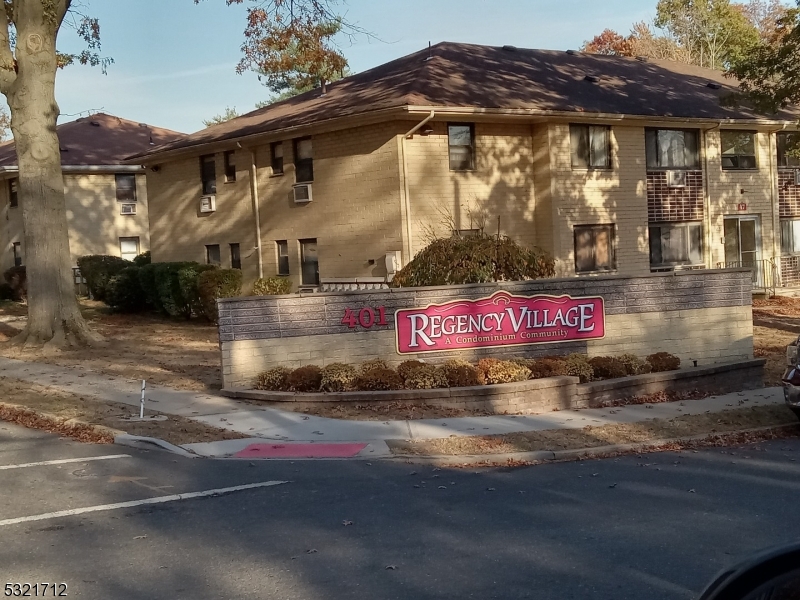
(502, 319)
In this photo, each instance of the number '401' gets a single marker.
(366, 317)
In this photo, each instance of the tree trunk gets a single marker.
(54, 318)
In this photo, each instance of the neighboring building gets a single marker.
(614, 165)
(106, 200)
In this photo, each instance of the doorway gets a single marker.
(743, 245)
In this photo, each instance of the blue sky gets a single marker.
(175, 61)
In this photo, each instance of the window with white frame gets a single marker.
(129, 247)
(675, 244)
(282, 248)
(461, 145)
(126, 187)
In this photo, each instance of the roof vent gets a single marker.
(63, 149)
(642, 59)
(591, 78)
(713, 85)
(509, 48)
(94, 123)
(572, 52)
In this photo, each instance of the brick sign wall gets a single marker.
(703, 316)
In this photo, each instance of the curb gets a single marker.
(74, 428)
(140, 441)
(544, 456)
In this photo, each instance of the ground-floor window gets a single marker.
(674, 244)
(594, 248)
(129, 247)
(236, 257)
(282, 249)
(309, 261)
(213, 255)
(17, 254)
(790, 236)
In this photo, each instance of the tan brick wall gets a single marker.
(587, 197)
(683, 333)
(93, 216)
(725, 194)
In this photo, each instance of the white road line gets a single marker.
(63, 461)
(134, 503)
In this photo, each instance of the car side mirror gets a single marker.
(770, 575)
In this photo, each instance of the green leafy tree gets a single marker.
(230, 113)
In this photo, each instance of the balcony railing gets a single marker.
(765, 273)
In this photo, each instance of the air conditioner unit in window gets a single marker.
(676, 178)
(127, 209)
(797, 176)
(302, 193)
(208, 204)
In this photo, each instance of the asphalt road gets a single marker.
(652, 527)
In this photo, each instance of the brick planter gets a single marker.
(539, 395)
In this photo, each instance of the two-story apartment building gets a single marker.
(613, 165)
(106, 200)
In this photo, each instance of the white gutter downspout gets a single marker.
(707, 224)
(256, 215)
(775, 201)
(407, 186)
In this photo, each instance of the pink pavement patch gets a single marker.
(300, 450)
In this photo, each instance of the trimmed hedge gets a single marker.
(143, 259)
(176, 284)
(17, 280)
(124, 291)
(663, 361)
(272, 286)
(147, 279)
(97, 269)
(217, 283)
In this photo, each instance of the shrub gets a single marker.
(305, 379)
(177, 292)
(502, 371)
(6, 293)
(97, 269)
(374, 363)
(635, 365)
(548, 367)
(426, 377)
(147, 279)
(17, 279)
(607, 367)
(409, 366)
(663, 361)
(474, 259)
(272, 286)
(338, 377)
(578, 366)
(378, 379)
(460, 373)
(274, 380)
(214, 284)
(143, 259)
(124, 291)
(188, 280)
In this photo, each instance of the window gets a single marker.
(208, 174)
(17, 254)
(276, 157)
(672, 148)
(230, 166)
(129, 247)
(790, 236)
(126, 187)
(673, 244)
(788, 144)
(461, 142)
(213, 256)
(282, 247)
(236, 257)
(594, 248)
(13, 200)
(738, 150)
(590, 146)
(303, 160)
(309, 261)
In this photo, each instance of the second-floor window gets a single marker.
(13, 199)
(672, 148)
(303, 160)
(461, 144)
(208, 173)
(126, 187)
(738, 149)
(590, 146)
(788, 149)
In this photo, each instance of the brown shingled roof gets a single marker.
(99, 139)
(471, 76)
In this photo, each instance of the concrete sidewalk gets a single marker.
(268, 424)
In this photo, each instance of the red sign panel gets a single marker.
(502, 319)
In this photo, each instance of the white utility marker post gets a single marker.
(141, 406)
